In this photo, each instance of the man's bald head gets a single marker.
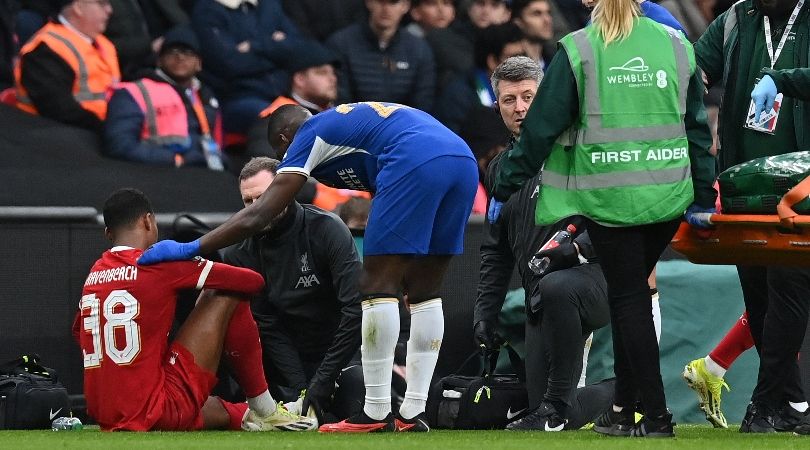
(284, 123)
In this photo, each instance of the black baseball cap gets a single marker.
(313, 54)
(180, 36)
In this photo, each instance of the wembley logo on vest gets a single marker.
(636, 73)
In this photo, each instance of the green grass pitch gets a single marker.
(696, 437)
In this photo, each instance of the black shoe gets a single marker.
(418, 423)
(758, 419)
(544, 418)
(615, 423)
(654, 427)
(787, 419)
(803, 429)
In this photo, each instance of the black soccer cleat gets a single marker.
(416, 424)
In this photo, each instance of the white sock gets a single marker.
(656, 312)
(585, 352)
(427, 330)
(617, 408)
(380, 330)
(263, 404)
(801, 407)
(714, 368)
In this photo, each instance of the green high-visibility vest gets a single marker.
(625, 161)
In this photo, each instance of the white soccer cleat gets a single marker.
(280, 420)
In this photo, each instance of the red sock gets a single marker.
(236, 411)
(244, 352)
(734, 343)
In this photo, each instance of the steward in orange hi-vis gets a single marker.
(95, 67)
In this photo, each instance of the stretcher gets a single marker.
(782, 239)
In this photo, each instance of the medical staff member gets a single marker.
(627, 147)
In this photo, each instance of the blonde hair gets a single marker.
(614, 18)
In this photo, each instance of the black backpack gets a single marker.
(31, 396)
(483, 402)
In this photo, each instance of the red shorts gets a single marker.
(187, 387)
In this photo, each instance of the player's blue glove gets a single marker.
(169, 250)
(699, 217)
(494, 210)
(763, 95)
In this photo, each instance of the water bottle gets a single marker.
(540, 265)
(66, 424)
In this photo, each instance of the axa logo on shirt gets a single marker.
(636, 73)
(306, 280)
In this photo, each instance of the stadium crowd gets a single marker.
(191, 83)
(232, 84)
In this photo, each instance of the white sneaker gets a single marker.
(280, 420)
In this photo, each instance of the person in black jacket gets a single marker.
(319, 19)
(309, 313)
(246, 47)
(564, 305)
(381, 62)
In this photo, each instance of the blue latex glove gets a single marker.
(494, 210)
(169, 250)
(699, 217)
(763, 95)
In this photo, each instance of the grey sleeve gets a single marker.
(345, 267)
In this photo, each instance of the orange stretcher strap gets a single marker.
(785, 207)
(759, 220)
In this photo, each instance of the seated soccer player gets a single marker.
(134, 378)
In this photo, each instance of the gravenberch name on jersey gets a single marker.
(128, 273)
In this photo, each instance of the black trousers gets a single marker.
(565, 307)
(777, 300)
(628, 256)
(588, 402)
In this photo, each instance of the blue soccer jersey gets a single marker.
(349, 145)
(661, 15)
(424, 176)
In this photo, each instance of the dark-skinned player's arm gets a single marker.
(239, 227)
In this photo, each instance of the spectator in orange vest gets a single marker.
(168, 117)
(68, 68)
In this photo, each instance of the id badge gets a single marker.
(767, 120)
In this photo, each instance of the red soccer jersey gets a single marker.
(124, 318)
